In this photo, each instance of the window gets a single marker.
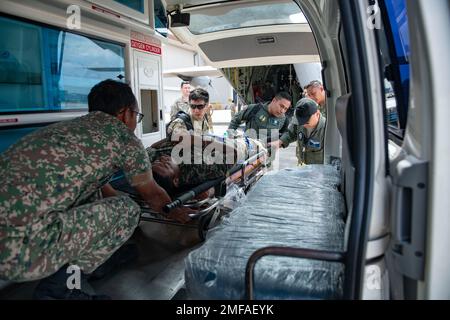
(44, 69)
(135, 9)
(393, 38)
(137, 5)
(160, 18)
(149, 105)
(255, 14)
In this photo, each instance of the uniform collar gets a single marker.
(203, 120)
(320, 125)
(108, 118)
(265, 106)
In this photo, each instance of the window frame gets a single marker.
(126, 11)
(75, 32)
(193, 10)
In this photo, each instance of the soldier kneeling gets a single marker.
(56, 206)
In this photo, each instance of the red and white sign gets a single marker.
(145, 43)
(145, 47)
(12, 120)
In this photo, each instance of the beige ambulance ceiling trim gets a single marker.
(203, 71)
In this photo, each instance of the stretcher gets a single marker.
(209, 211)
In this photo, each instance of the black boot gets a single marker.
(55, 287)
(122, 256)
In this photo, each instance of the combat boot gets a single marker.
(55, 287)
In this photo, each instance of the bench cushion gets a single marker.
(299, 208)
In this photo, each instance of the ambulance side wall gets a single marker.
(143, 70)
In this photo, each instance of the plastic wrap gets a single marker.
(293, 208)
(233, 198)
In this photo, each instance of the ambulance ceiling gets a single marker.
(247, 32)
(189, 3)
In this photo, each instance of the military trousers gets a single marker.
(85, 236)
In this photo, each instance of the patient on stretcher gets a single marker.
(190, 161)
(179, 164)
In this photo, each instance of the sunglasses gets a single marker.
(197, 106)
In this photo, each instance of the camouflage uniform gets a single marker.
(50, 210)
(257, 117)
(178, 127)
(193, 174)
(178, 105)
(309, 148)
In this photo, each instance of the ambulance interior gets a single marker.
(269, 46)
(299, 233)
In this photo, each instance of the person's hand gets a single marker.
(276, 145)
(109, 191)
(181, 214)
(205, 195)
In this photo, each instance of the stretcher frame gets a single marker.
(244, 175)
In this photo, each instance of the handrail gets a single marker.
(309, 254)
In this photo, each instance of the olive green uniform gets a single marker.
(51, 211)
(323, 110)
(258, 118)
(309, 145)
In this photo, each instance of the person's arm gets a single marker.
(178, 128)
(240, 117)
(285, 127)
(156, 197)
(174, 110)
(288, 137)
(134, 162)
(109, 191)
(204, 195)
